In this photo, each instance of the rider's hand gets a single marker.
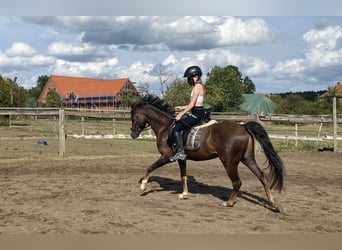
(179, 116)
(178, 108)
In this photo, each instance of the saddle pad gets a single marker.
(194, 137)
(193, 140)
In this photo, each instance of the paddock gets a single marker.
(95, 189)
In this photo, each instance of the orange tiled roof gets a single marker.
(84, 87)
(338, 90)
(339, 87)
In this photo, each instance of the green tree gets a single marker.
(35, 91)
(248, 86)
(178, 93)
(295, 104)
(5, 92)
(224, 88)
(52, 98)
(11, 94)
(129, 99)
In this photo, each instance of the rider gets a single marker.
(195, 107)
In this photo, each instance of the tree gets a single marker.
(11, 94)
(178, 93)
(53, 99)
(326, 102)
(143, 88)
(34, 92)
(224, 88)
(248, 86)
(295, 104)
(129, 99)
(163, 75)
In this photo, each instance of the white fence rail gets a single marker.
(62, 115)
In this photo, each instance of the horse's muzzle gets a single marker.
(134, 133)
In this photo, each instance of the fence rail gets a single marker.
(62, 115)
(125, 114)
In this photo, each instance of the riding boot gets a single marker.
(180, 154)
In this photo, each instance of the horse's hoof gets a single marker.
(228, 204)
(278, 208)
(183, 196)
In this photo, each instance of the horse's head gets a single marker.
(139, 121)
(151, 110)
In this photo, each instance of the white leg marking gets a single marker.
(183, 196)
(143, 185)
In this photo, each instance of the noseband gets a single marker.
(138, 129)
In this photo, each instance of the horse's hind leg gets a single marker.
(232, 171)
(253, 166)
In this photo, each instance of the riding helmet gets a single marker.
(193, 71)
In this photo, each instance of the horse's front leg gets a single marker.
(157, 164)
(184, 179)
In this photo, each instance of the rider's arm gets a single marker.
(192, 103)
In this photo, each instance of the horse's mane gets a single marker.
(156, 102)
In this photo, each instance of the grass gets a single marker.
(20, 140)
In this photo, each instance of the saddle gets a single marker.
(192, 137)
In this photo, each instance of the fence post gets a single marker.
(296, 134)
(319, 132)
(82, 126)
(335, 124)
(61, 133)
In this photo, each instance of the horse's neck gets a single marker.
(158, 120)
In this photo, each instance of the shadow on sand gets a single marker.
(195, 187)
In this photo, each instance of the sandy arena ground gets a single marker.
(94, 194)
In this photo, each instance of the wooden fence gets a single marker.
(125, 114)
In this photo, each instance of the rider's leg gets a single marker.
(180, 154)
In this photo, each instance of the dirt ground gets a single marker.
(99, 194)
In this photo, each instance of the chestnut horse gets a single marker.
(231, 142)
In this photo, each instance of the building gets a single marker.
(337, 89)
(90, 93)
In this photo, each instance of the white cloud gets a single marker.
(325, 39)
(171, 59)
(21, 56)
(247, 65)
(321, 58)
(20, 49)
(236, 31)
(164, 32)
(294, 67)
(80, 51)
(93, 46)
(61, 49)
(319, 63)
(89, 69)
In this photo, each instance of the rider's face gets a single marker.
(191, 80)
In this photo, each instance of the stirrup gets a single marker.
(178, 156)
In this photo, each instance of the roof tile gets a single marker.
(84, 87)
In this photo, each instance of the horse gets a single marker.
(231, 142)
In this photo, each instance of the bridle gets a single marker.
(138, 128)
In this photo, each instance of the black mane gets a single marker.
(156, 102)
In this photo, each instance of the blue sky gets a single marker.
(279, 53)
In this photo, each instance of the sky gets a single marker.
(279, 53)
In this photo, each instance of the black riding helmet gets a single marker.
(193, 71)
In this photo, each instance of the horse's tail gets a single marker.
(275, 164)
